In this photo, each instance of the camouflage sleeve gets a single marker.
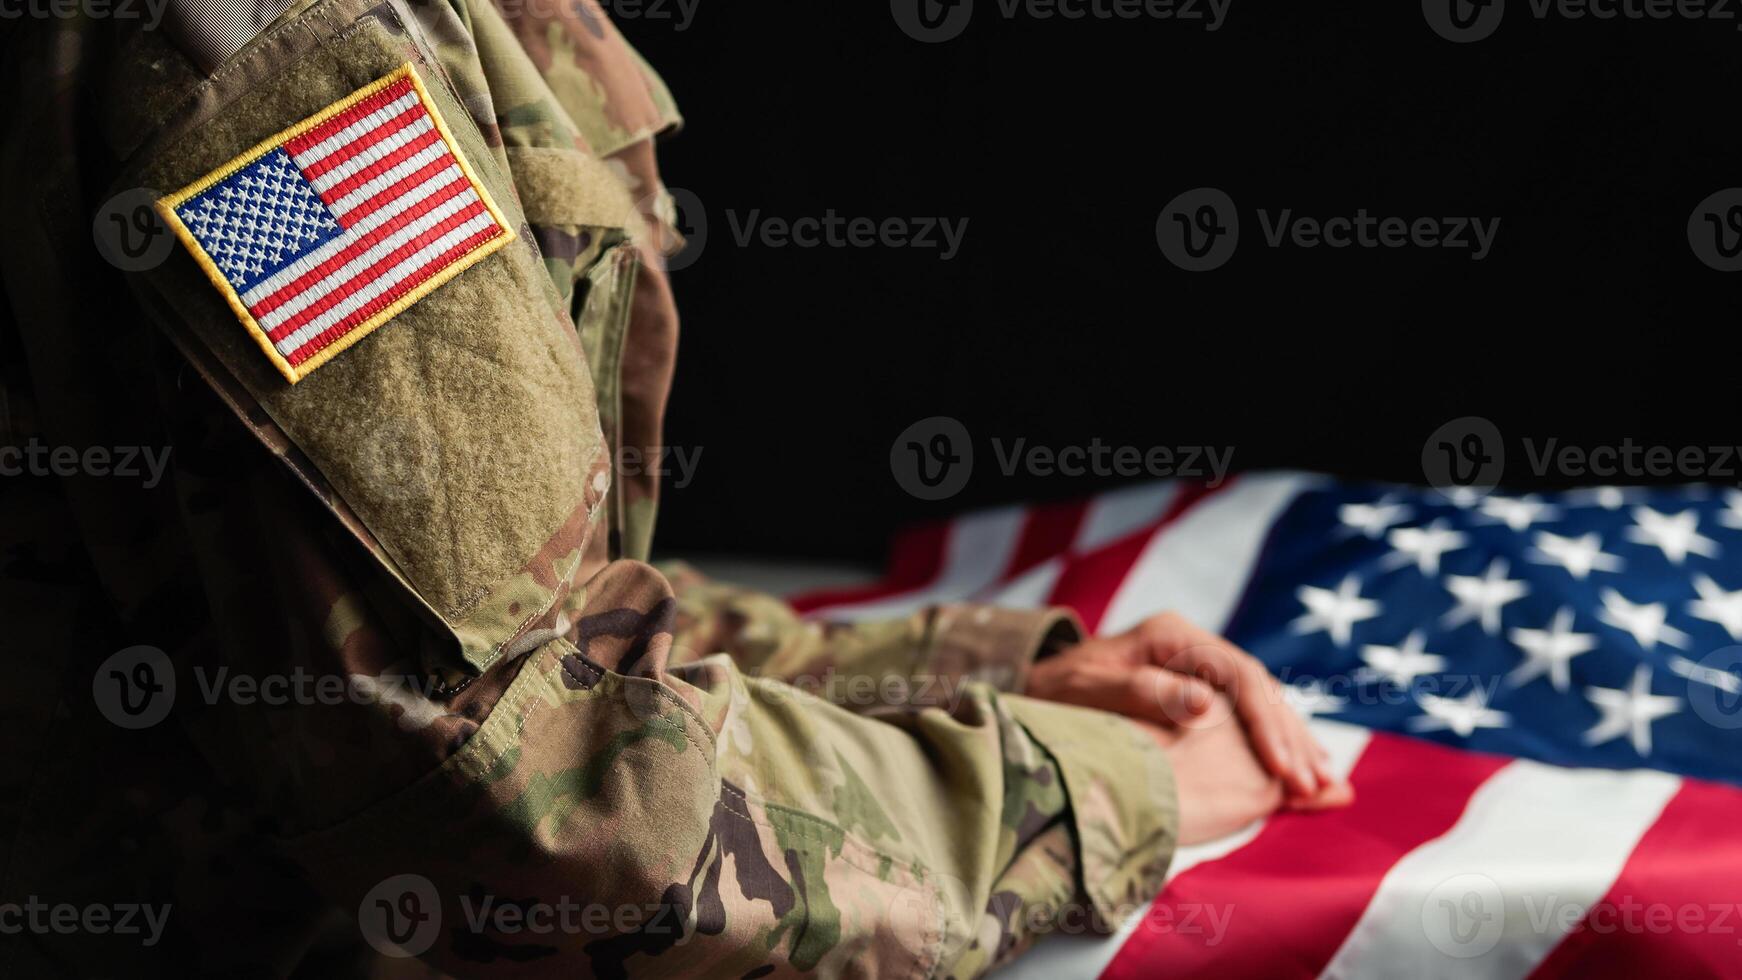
(725, 825)
(922, 659)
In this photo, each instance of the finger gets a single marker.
(1331, 796)
(1171, 698)
(1310, 756)
(1164, 698)
(1277, 732)
(1321, 759)
(1318, 759)
(1260, 706)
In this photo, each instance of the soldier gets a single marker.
(376, 668)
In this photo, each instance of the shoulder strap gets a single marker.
(210, 31)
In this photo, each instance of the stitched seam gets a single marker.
(567, 578)
(660, 690)
(569, 669)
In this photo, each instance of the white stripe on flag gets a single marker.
(979, 549)
(399, 205)
(1030, 590)
(1114, 514)
(1198, 565)
(405, 168)
(318, 290)
(325, 148)
(388, 280)
(1084, 957)
(1108, 517)
(1490, 898)
(369, 155)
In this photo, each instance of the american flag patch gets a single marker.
(328, 230)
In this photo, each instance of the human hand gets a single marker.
(1174, 674)
(1221, 785)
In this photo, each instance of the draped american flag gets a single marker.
(1537, 699)
(326, 231)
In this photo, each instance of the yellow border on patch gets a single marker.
(166, 209)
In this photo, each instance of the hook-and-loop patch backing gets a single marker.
(326, 231)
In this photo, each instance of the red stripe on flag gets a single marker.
(1047, 532)
(337, 192)
(1287, 900)
(392, 192)
(1089, 582)
(318, 343)
(319, 134)
(339, 295)
(1676, 908)
(394, 124)
(916, 558)
(304, 282)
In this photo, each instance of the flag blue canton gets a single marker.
(1597, 627)
(259, 219)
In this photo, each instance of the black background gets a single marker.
(1061, 321)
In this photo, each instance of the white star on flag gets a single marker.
(1403, 663)
(1464, 497)
(1482, 598)
(1518, 513)
(1462, 716)
(1312, 698)
(1732, 513)
(1629, 711)
(1676, 535)
(1608, 498)
(1579, 556)
(1647, 622)
(1550, 651)
(1424, 546)
(1335, 612)
(1715, 605)
(1373, 519)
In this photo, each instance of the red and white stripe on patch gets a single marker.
(326, 231)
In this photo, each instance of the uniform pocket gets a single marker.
(603, 301)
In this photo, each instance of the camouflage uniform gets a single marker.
(544, 720)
